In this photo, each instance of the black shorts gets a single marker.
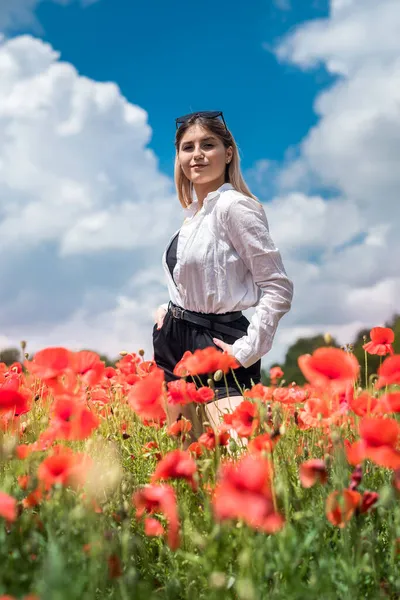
(177, 336)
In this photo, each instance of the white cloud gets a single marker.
(21, 13)
(84, 210)
(354, 149)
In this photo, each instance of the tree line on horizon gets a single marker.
(292, 373)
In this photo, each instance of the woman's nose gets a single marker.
(197, 152)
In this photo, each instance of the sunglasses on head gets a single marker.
(208, 114)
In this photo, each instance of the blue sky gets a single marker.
(174, 58)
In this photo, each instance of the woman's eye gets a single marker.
(190, 147)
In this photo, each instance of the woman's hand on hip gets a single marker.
(159, 316)
(223, 345)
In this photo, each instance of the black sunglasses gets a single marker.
(208, 114)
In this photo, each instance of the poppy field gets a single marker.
(295, 495)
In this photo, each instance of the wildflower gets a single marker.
(205, 360)
(23, 481)
(356, 478)
(71, 419)
(153, 527)
(244, 492)
(340, 507)
(311, 471)
(11, 400)
(49, 363)
(381, 341)
(159, 499)
(146, 396)
(181, 392)
(245, 418)
(64, 467)
(195, 448)
(33, 499)
(262, 443)
(330, 367)
(389, 371)
(176, 464)
(389, 403)
(88, 365)
(259, 392)
(204, 395)
(378, 442)
(179, 428)
(275, 373)
(210, 439)
(368, 500)
(363, 404)
(8, 507)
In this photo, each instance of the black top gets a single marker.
(171, 254)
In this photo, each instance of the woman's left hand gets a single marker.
(226, 347)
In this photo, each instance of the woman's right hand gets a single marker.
(159, 316)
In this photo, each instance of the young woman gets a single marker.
(220, 262)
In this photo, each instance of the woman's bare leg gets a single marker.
(215, 410)
(194, 413)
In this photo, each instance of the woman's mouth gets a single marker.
(198, 166)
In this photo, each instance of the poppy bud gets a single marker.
(218, 375)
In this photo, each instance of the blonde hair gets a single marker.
(233, 174)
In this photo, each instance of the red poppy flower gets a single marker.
(340, 507)
(378, 443)
(381, 341)
(204, 395)
(389, 371)
(245, 418)
(389, 403)
(205, 360)
(49, 363)
(210, 439)
(179, 428)
(195, 448)
(331, 367)
(88, 365)
(177, 464)
(356, 478)
(262, 443)
(146, 396)
(244, 492)
(33, 499)
(13, 401)
(64, 467)
(259, 392)
(363, 404)
(311, 471)
(71, 419)
(8, 507)
(153, 527)
(181, 392)
(23, 481)
(159, 499)
(275, 373)
(368, 500)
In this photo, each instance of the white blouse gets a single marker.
(227, 261)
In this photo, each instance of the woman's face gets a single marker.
(202, 155)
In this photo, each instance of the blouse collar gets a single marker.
(210, 196)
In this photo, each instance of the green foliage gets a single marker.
(10, 355)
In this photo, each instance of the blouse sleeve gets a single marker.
(247, 228)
